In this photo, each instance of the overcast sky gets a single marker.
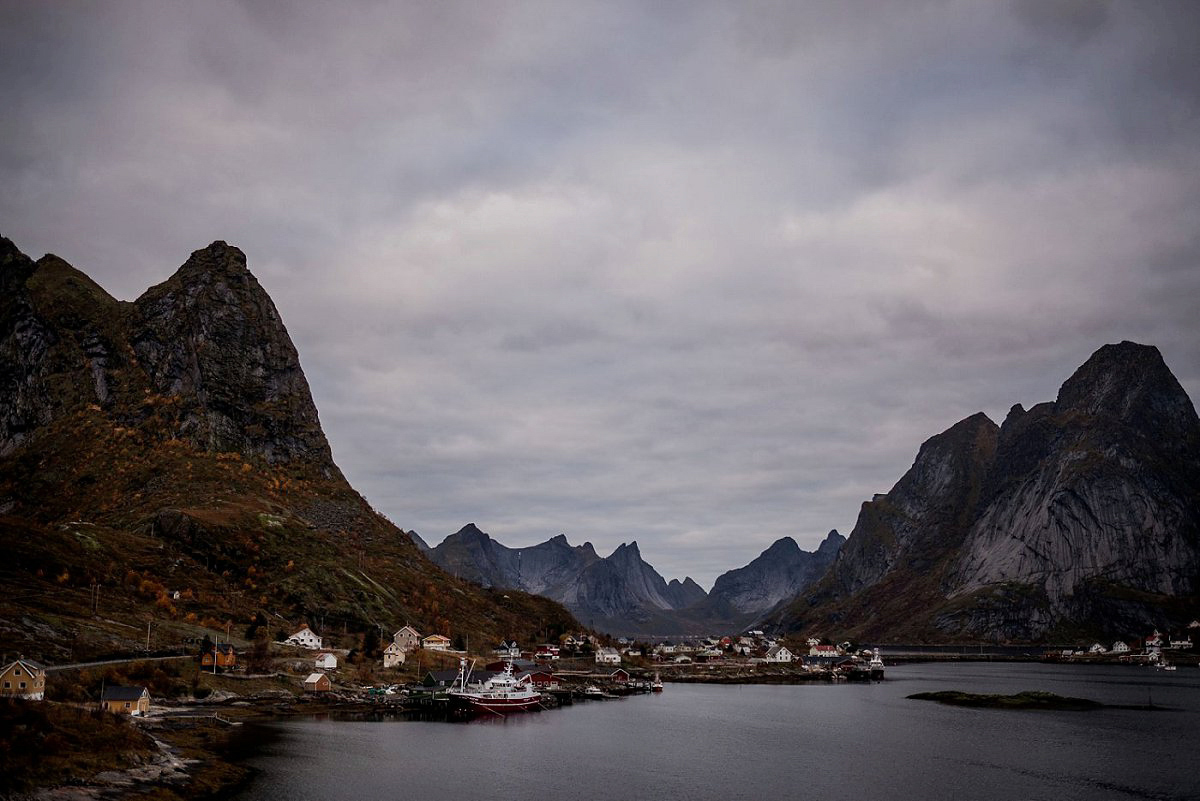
(696, 275)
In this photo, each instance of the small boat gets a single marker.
(592, 691)
(501, 693)
(656, 686)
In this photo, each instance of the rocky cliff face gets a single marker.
(1077, 516)
(208, 341)
(778, 574)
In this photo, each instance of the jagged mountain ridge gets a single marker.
(173, 441)
(622, 593)
(1079, 516)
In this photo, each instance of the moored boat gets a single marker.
(500, 693)
(876, 666)
(656, 686)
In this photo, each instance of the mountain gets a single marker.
(778, 574)
(620, 593)
(172, 444)
(1077, 518)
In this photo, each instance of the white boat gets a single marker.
(656, 686)
(592, 691)
(876, 665)
(501, 693)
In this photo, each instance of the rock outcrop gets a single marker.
(1080, 516)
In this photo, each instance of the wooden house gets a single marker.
(305, 638)
(407, 638)
(223, 654)
(393, 655)
(436, 642)
(23, 679)
(317, 683)
(126, 700)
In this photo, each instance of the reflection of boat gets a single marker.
(502, 692)
(656, 685)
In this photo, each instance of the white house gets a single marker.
(393, 655)
(779, 653)
(607, 656)
(436, 642)
(325, 661)
(507, 650)
(1120, 647)
(305, 638)
(407, 638)
(1179, 645)
(1097, 648)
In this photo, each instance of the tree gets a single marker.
(206, 646)
(371, 643)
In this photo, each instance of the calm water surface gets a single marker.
(755, 742)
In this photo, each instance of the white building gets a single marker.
(305, 638)
(325, 661)
(1097, 648)
(1120, 647)
(607, 656)
(393, 655)
(779, 653)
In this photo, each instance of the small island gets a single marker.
(1023, 700)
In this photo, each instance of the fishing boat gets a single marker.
(501, 693)
(656, 685)
(592, 691)
(876, 666)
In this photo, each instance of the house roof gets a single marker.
(303, 629)
(116, 693)
(409, 629)
(224, 647)
(437, 637)
(313, 678)
(28, 664)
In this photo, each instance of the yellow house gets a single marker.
(23, 679)
(126, 700)
(436, 642)
(224, 653)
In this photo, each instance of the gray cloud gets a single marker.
(700, 275)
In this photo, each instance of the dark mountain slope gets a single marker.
(172, 443)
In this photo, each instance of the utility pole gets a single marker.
(148, 622)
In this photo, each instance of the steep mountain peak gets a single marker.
(782, 547)
(1132, 383)
(471, 532)
(832, 543)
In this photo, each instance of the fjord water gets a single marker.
(701, 742)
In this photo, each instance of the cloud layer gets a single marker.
(699, 275)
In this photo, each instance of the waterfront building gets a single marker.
(317, 683)
(607, 656)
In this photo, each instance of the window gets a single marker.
(8, 685)
(127, 705)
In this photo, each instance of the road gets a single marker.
(74, 666)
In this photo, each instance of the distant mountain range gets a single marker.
(1077, 518)
(623, 594)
